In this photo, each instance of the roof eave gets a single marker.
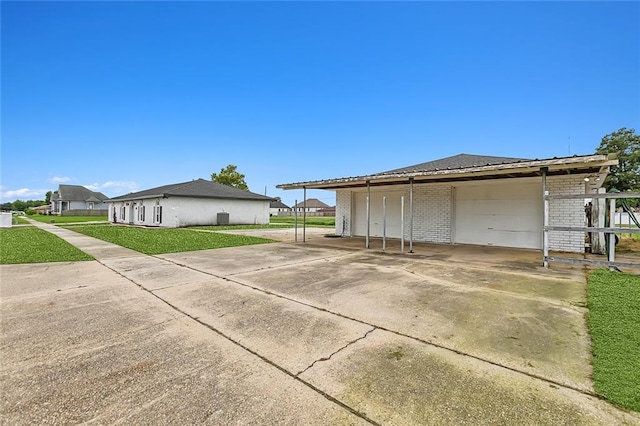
(584, 164)
(167, 195)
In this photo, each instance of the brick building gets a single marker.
(469, 199)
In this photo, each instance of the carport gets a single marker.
(468, 199)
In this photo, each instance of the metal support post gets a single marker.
(410, 215)
(384, 223)
(304, 215)
(402, 224)
(295, 222)
(368, 215)
(545, 232)
(612, 237)
(545, 219)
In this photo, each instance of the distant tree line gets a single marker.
(21, 205)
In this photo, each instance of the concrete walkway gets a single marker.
(292, 334)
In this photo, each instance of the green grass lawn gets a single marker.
(66, 219)
(613, 300)
(276, 223)
(157, 241)
(19, 220)
(235, 227)
(29, 244)
(320, 221)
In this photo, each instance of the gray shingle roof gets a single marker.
(460, 161)
(275, 204)
(311, 203)
(199, 188)
(77, 193)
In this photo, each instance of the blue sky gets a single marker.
(125, 96)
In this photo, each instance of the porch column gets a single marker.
(410, 215)
(368, 214)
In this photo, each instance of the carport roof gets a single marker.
(463, 167)
(198, 188)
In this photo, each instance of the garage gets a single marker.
(502, 213)
(471, 199)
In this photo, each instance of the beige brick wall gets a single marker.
(432, 213)
(343, 213)
(566, 213)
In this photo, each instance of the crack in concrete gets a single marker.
(335, 352)
(251, 351)
(417, 339)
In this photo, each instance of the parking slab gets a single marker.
(302, 334)
(110, 352)
(397, 380)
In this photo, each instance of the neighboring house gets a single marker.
(276, 207)
(469, 199)
(44, 209)
(312, 205)
(198, 202)
(78, 200)
(327, 211)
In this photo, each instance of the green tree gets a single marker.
(626, 175)
(230, 176)
(47, 199)
(19, 205)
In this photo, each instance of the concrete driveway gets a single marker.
(320, 333)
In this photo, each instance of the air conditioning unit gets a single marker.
(223, 218)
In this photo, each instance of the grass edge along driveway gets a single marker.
(29, 244)
(153, 241)
(614, 324)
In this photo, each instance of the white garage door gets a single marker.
(499, 214)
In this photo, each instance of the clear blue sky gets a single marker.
(125, 96)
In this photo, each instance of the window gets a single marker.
(157, 213)
(141, 213)
(123, 213)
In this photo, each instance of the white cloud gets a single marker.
(113, 188)
(59, 179)
(22, 194)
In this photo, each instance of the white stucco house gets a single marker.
(278, 207)
(469, 199)
(78, 200)
(198, 202)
